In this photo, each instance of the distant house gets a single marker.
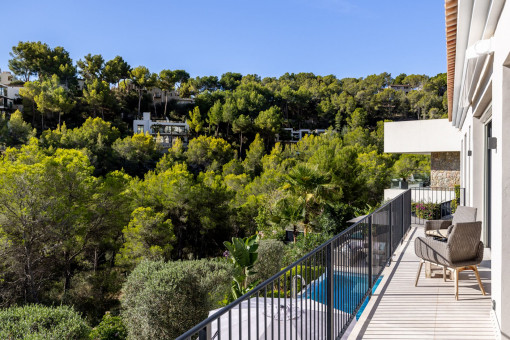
(6, 103)
(404, 88)
(289, 135)
(168, 131)
(6, 77)
(159, 96)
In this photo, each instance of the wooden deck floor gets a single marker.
(399, 310)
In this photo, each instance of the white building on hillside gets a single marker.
(6, 77)
(167, 130)
(289, 135)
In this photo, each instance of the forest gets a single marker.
(98, 224)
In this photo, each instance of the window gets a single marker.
(139, 129)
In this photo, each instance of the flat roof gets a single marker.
(421, 136)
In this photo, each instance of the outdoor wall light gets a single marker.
(492, 143)
(470, 153)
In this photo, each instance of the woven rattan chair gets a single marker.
(439, 227)
(462, 251)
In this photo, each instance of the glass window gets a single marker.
(140, 129)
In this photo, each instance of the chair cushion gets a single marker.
(443, 233)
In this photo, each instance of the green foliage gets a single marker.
(115, 70)
(15, 131)
(148, 236)
(91, 67)
(456, 201)
(408, 164)
(52, 212)
(36, 322)
(253, 161)
(138, 153)
(243, 254)
(303, 245)
(208, 153)
(163, 300)
(270, 259)
(98, 95)
(110, 328)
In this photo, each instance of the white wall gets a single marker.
(501, 181)
(472, 137)
(420, 136)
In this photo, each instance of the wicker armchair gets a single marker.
(462, 251)
(462, 214)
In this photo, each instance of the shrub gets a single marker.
(308, 273)
(163, 300)
(39, 322)
(456, 201)
(270, 259)
(110, 328)
(427, 211)
(304, 244)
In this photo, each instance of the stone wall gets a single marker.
(444, 169)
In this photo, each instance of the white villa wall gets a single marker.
(474, 172)
(420, 136)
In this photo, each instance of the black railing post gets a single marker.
(330, 297)
(402, 217)
(370, 252)
(391, 232)
(202, 335)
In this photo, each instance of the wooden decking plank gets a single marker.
(399, 310)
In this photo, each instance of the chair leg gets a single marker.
(418, 275)
(444, 273)
(456, 284)
(475, 269)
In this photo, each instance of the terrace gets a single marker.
(360, 284)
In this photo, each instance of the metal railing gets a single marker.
(438, 203)
(318, 296)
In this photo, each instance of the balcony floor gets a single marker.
(399, 310)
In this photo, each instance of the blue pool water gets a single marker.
(349, 290)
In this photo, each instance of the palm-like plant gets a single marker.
(314, 189)
(243, 254)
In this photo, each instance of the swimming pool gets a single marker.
(350, 289)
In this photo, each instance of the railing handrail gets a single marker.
(198, 327)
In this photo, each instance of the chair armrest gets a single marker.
(432, 251)
(437, 224)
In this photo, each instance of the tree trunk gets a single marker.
(67, 275)
(29, 278)
(33, 114)
(59, 119)
(139, 101)
(241, 144)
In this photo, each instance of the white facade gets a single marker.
(294, 136)
(421, 136)
(168, 131)
(481, 110)
(6, 77)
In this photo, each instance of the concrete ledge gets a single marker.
(421, 136)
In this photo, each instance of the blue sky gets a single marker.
(347, 38)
